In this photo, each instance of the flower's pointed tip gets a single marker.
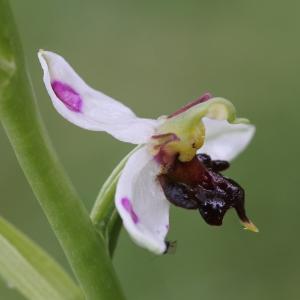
(45, 54)
(42, 55)
(41, 52)
(248, 225)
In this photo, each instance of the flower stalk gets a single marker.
(83, 246)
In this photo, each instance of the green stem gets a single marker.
(85, 250)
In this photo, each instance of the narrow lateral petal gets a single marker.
(87, 108)
(224, 140)
(141, 203)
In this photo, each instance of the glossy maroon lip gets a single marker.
(198, 184)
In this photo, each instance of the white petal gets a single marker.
(87, 108)
(225, 141)
(141, 203)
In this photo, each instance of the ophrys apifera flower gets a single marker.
(179, 162)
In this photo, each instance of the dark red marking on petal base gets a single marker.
(199, 185)
(205, 97)
(166, 137)
(126, 203)
(162, 156)
(67, 95)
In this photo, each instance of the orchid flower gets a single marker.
(180, 159)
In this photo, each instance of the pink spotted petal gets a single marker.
(90, 109)
(141, 203)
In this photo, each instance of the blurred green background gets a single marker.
(155, 56)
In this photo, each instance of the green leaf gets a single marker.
(26, 267)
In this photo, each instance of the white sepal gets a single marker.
(141, 203)
(224, 140)
(90, 109)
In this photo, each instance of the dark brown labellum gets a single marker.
(198, 184)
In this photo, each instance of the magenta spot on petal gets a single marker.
(205, 97)
(67, 95)
(128, 207)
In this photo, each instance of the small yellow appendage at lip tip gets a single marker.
(250, 226)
